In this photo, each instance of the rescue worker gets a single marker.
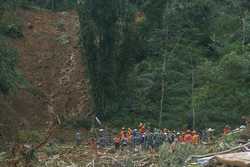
(226, 130)
(101, 139)
(181, 137)
(173, 145)
(195, 138)
(123, 133)
(117, 141)
(124, 138)
(210, 135)
(171, 137)
(78, 137)
(188, 137)
(141, 128)
(156, 139)
(135, 138)
(147, 139)
(130, 134)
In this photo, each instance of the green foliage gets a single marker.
(107, 33)
(10, 24)
(12, 30)
(182, 152)
(205, 44)
(10, 27)
(57, 5)
(206, 49)
(25, 136)
(10, 78)
(63, 39)
(77, 123)
(51, 150)
(224, 95)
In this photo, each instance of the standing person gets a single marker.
(181, 137)
(117, 141)
(147, 140)
(204, 135)
(157, 139)
(124, 138)
(78, 137)
(188, 137)
(226, 130)
(101, 139)
(142, 128)
(210, 135)
(173, 145)
(123, 133)
(195, 138)
(130, 133)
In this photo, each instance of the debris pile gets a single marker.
(230, 150)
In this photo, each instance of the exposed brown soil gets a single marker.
(50, 60)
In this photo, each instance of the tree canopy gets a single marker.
(187, 61)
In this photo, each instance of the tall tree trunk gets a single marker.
(243, 32)
(192, 93)
(163, 81)
(163, 88)
(53, 4)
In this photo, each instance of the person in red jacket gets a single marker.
(226, 130)
(188, 137)
(117, 141)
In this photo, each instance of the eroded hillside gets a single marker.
(50, 60)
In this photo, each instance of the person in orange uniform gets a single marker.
(141, 128)
(195, 138)
(130, 132)
(188, 137)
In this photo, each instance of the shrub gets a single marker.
(12, 30)
(8, 73)
(10, 24)
(63, 39)
(177, 159)
(28, 136)
(77, 123)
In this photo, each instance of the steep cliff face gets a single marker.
(50, 60)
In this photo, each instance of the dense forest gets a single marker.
(169, 63)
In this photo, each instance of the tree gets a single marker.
(10, 78)
(173, 68)
(106, 35)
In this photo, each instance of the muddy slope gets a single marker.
(50, 60)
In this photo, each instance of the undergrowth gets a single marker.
(181, 153)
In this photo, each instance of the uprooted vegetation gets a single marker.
(51, 151)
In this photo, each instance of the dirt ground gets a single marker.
(51, 62)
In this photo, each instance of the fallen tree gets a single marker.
(232, 150)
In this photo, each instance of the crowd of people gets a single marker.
(149, 138)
